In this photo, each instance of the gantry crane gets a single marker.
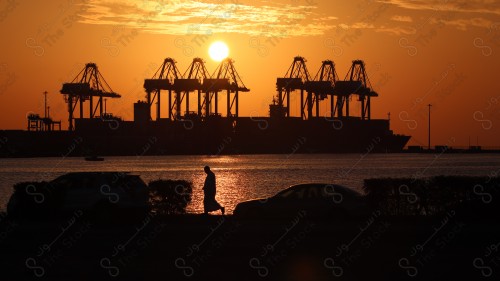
(225, 77)
(295, 78)
(89, 83)
(192, 81)
(357, 83)
(320, 88)
(163, 79)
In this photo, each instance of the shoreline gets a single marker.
(405, 151)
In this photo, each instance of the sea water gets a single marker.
(245, 177)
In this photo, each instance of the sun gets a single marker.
(218, 51)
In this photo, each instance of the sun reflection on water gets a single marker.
(245, 177)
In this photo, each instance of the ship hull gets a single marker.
(213, 136)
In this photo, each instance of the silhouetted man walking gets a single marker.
(209, 190)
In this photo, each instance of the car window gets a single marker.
(329, 191)
(62, 182)
(293, 193)
(128, 183)
(314, 192)
(86, 182)
(286, 193)
(300, 193)
(137, 182)
(83, 181)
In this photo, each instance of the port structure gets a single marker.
(295, 78)
(224, 78)
(163, 79)
(325, 85)
(319, 89)
(37, 123)
(191, 81)
(45, 123)
(312, 91)
(196, 79)
(86, 86)
(357, 83)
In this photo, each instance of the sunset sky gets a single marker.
(445, 53)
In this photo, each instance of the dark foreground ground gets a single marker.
(196, 247)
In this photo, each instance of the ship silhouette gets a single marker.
(196, 125)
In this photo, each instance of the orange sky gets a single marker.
(417, 52)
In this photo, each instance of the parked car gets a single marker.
(92, 192)
(314, 200)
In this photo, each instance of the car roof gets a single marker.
(95, 175)
(336, 187)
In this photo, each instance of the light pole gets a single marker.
(45, 104)
(429, 133)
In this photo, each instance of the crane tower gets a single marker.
(86, 86)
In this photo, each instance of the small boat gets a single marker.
(94, 158)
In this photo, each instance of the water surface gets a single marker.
(243, 177)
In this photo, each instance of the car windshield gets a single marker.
(292, 193)
(130, 183)
(337, 190)
(315, 191)
(79, 181)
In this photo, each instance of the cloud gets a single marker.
(328, 18)
(402, 18)
(429, 14)
(197, 17)
(272, 19)
(472, 6)
(362, 25)
(465, 24)
(398, 30)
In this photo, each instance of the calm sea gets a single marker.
(245, 177)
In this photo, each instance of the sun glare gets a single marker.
(218, 51)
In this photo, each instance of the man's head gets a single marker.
(207, 169)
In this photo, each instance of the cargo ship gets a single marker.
(205, 130)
